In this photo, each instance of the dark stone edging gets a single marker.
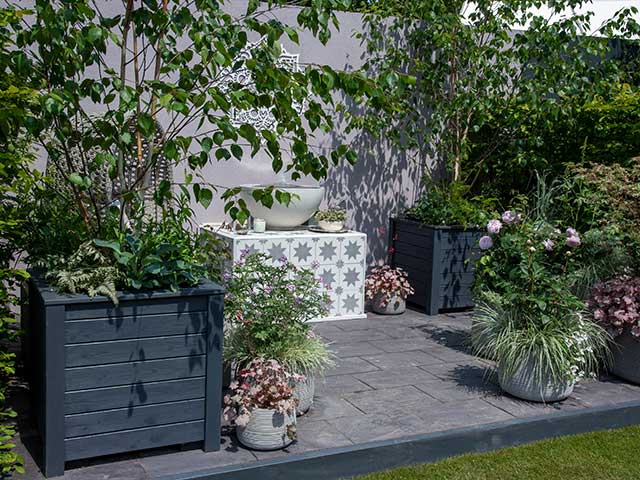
(345, 462)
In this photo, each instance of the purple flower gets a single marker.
(485, 242)
(548, 244)
(244, 252)
(226, 276)
(571, 232)
(283, 259)
(494, 226)
(268, 289)
(315, 264)
(509, 217)
(573, 241)
(291, 287)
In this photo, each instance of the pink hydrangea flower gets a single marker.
(548, 244)
(494, 226)
(573, 241)
(510, 217)
(485, 242)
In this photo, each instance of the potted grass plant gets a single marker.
(262, 405)
(268, 309)
(527, 319)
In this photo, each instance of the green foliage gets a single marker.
(268, 305)
(602, 129)
(161, 76)
(86, 270)
(16, 100)
(449, 204)
(331, 215)
(453, 66)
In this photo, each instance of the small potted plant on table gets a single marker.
(527, 319)
(388, 289)
(331, 220)
(268, 307)
(262, 405)
(615, 304)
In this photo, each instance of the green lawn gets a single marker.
(608, 455)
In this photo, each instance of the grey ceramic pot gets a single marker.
(523, 384)
(304, 392)
(396, 305)
(626, 357)
(266, 430)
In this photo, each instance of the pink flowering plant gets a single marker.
(385, 282)
(264, 384)
(268, 306)
(526, 309)
(615, 304)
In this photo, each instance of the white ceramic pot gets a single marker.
(396, 305)
(280, 216)
(266, 430)
(330, 226)
(524, 384)
(304, 392)
(625, 354)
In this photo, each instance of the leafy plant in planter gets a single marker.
(528, 319)
(268, 307)
(331, 220)
(615, 304)
(262, 405)
(388, 289)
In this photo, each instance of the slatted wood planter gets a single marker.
(109, 379)
(439, 262)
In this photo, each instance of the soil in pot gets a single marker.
(396, 305)
(267, 430)
(525, 385)
(625, 354)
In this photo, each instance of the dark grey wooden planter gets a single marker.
(108, 379)
(439, 262)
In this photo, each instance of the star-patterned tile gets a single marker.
(351, 302)
(277, 249)
(352, 276)
(328, 275)
(328, 250)
(353, 250)
(303, 251)
(249, 246)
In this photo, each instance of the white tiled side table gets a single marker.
(339, 260)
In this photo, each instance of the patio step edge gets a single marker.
(346, 462)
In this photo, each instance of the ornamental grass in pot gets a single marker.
(388, 288)
(331, 220)
(262, 405)
(268, 307)
(615, 304)
(527, 319)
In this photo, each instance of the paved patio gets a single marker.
(395, 377)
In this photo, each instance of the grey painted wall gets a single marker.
(383, 180)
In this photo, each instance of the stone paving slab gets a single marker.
(395, 376)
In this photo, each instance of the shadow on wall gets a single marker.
(383, 182)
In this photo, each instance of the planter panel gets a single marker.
(103, 329)
(143, 374)
(84, 354)
(439, 262)
(125, 397)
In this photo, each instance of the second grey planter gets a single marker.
(439, 262)
(266, 430)
(626, 357)
(523, 384)
(304, 392)
(111, 378)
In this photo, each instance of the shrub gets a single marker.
(615, 304)
(268, 306)
(449, 204)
